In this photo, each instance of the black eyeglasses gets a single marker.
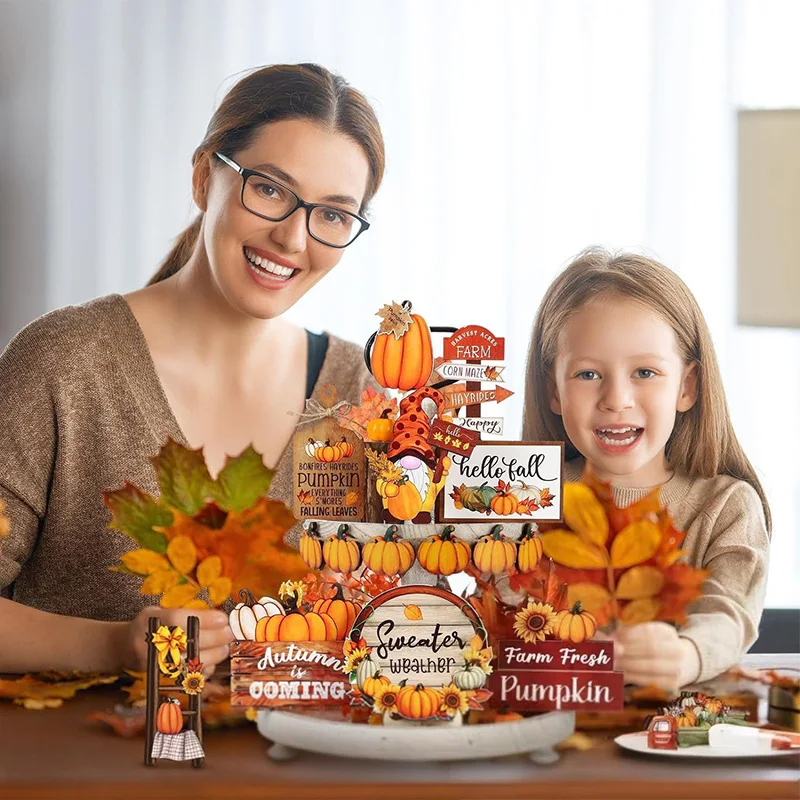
(270, 199)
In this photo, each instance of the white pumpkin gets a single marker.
(311, 447)
(366, 669)
(470, 678)
(525, 491)
(244, 618)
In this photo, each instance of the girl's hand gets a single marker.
(215, 635)
(652, 654)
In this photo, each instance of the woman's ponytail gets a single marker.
(179, 255)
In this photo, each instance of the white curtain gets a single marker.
(517, 132)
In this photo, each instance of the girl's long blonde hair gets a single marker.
(702, 443)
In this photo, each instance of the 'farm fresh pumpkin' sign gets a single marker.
(504, 481)
(417, 633)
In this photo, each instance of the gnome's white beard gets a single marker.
(420, 477)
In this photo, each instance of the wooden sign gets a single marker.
(417, 633)
(471, 372)
(329, 473)
(504, 482)
(459, 395)
(555, 656)
(474, 342)
(451, 437)
(281, 674)
(485, 426)
(557, 691)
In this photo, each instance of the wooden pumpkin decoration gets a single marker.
(444, 554)
(494, 552)
(575, 625)
(380, 429)
(343, 612)
(529, 549)
(345, 447)
(406, 503)
(297, 627)
(469, 678)
(372, 683)
(341, 552)
(418, 702)
(366, 669)
(504, 503)
(245, 616)
(403, 363)
(389, 554)
(387, 488)
(311, 547)
(169, 719)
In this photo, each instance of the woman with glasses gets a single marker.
(282, 181)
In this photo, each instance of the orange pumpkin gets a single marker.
(406, 504)
(387, 488)
(494, 552)
(389, 554)
(328, 453)
(418, 702)
(169, 718)
(444, 554)
(345, 447)
(380, 429)
(686, 720)
(343, 612)
(341, 552)
(372, 682)
(403, 363)
(504, 503)
(529, 550)
(297, 627)
(575, 625)
(311, 547)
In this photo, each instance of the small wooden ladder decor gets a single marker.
(155, 690)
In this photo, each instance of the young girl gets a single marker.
(622, 369)
(282, 180)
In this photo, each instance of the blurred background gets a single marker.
(517, 134)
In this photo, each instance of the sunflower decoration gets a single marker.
(194, 682)
(354, 658)
(385, 699)
(534, 622)
(476, 655)
(454, 700)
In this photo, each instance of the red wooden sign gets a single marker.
(282, 674)
(452, 437)
(557, 691)
(474, 343)
(555, 656)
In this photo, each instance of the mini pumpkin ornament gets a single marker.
(245, 616)
(371, 684)
(444, 553)
(389, 554)
(311, 547)
(575, 625)
(343, 612)
(380, 428)
(402, 355)
(169, 719)
(494, 552)
(529, 549)
(341, 552)
(418, 702)
(366, 669)
(469, 678)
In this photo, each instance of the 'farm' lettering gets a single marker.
(435, 642)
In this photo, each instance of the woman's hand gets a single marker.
(652, 654)
(215, 635)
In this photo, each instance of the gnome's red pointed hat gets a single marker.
(411, 429)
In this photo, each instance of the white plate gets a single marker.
(637, 742)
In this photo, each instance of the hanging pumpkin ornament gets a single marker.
(311, 547)
(444, 554)
(341, 552)
(169, 719)
(389, 554)
(402, 356)
(529, 549)
(494, 552)
(245, 616)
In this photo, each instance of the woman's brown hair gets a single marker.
(703, 442)
(280, 92)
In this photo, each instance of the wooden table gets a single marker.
(58, 754)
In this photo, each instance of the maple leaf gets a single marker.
(546, 500)
(373, 405)
(395, 319)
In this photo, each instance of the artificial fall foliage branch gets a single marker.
(204, 539)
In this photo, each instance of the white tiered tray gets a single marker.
(296, 733)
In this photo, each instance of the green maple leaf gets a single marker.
(243, 480)
(183, 478)
(137, 514)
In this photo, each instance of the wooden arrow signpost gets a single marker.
(461, 394)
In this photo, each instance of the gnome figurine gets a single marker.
(423, 472)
